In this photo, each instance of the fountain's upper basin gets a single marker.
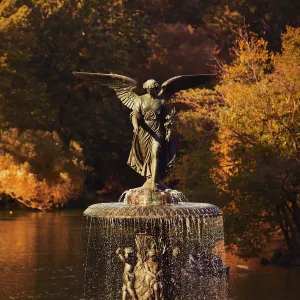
(116, 210)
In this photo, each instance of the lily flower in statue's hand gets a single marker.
(168, 135)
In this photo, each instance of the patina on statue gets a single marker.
(152, 153)
(152, 269)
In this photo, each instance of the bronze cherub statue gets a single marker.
(128, 257)
(152, 153)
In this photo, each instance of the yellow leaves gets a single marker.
(286, 75)
(39, 172)
(50, 6)
(114, 7)
(251, 59)
(261, 104)
(6, 4)
(227, 166)
(76, 146)
(15, 179)
(291, 40)
(4, 61)
(116, 2)
(65, 176)
(222, 19)
(261, 113)
(18, 17)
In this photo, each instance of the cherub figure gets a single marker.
(152, 153)
(128, 257)
(153, 274)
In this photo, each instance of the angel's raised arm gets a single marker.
(123, 86)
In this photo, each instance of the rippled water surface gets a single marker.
(41, 257)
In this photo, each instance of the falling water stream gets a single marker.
(41, 258)
(194, 236)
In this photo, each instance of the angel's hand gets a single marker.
(119, 250)
(135, 127)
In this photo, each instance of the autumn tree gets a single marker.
(38, 170)
(258, 141)
(194, 135)
(188, 36)
(268, 18)
(247, 159)
(42, 42)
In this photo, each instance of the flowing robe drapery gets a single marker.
(150, 140)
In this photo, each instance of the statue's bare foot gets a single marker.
(153, 186)
(147, 184)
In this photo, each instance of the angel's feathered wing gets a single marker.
(122, 85)
(183, 82)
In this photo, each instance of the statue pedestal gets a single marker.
(145, 196)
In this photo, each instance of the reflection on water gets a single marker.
(268, 283)
(41, 257)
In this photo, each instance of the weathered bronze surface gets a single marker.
(155, 214)
(127, 256)
(152, 153)
(146, 196)
(143, 277)
(175, 211)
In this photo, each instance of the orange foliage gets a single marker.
(37, 171)
(242, 144)
(181, 49)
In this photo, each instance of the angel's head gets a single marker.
(152, 87)
(128, 251)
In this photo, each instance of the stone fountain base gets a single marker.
(183, 210)
(158, 235)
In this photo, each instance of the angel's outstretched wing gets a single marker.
(122, 85)
(183, 82)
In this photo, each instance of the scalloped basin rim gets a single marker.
(115, 210)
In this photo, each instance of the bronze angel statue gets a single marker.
(152, 153)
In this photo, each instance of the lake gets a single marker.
(42, 257)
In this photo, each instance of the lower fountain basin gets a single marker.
(172, 240)
(116, 210)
